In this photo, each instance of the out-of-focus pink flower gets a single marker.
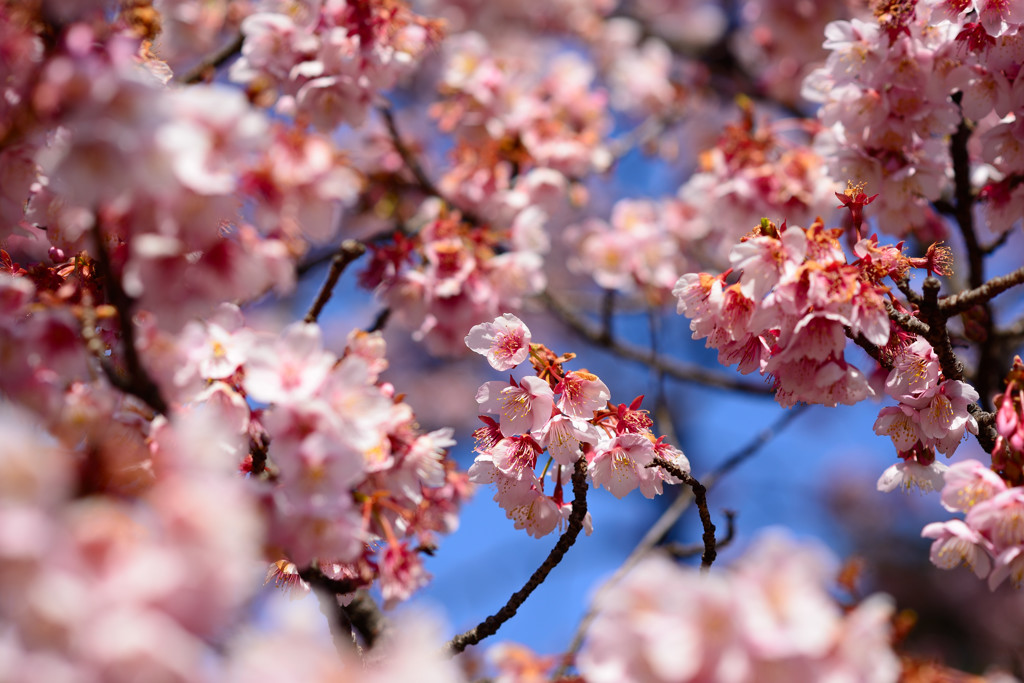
(293, 367)
(968, 483)
(909, 474)
(505, 341)
(956, 544)
(401, 573)
(770, 619)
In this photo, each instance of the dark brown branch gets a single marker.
(964, 209)
(958, 303)
(987, 375)
(986, 426)
(669, 366)
(414, 166)
(366, 617)
(682, 552)
(361, 614)
(932, 326)
(380, 321)
(491, 624)
(135, 381)
(904, 286)
(348, 252)
(205, 68)
(907, 321)
(700, 497)
(938, 335)
(338, 622)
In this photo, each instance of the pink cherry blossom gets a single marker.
(581, 394)
(912, 474)
(523, 408)
(968, 483)
(562, 436)
(505, 341)
(956, 544)
(293, 367)
(1000, 518)
(621, 466)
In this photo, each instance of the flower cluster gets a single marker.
(641, 247)
(887, 101)
(931, 415)
(885, 92)
(109, 158)
(448, 275)
(770, 618)
(509, 116)
(348, 481)
(780, 41)
(787, 313)
(326, 62)
(750, 172)
(990, 538)
(566, 413)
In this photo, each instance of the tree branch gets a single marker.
(958, 303)
(669, 366)
(700, 496)
(491, 624)
(681, 552)
(348, 252)
(414, 166)
(201, 71)
(137, 381)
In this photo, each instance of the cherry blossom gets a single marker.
(664, 623)
(505, 342)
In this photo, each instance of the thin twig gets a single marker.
(201, 71)
(491, 624)
(348, 252)
(380, 321)
(682, 552)
(671, 367)
(700, 496)
(414, 166)
(903, 285)
(958, 303)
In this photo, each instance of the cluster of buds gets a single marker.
(566, 413)
(1008, 455)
